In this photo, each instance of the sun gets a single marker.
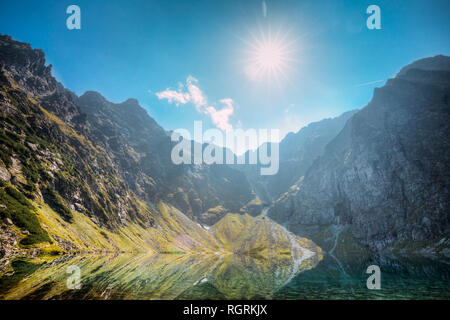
(269, 57)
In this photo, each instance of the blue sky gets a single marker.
(140, 48)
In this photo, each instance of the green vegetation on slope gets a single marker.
(17, 208)
(55, 201)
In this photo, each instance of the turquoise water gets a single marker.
(173, 276)
(400, 279)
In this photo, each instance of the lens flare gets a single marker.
(270, 57)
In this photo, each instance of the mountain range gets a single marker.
(80, 173)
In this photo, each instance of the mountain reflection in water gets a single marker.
(160, 276)
(172, 276)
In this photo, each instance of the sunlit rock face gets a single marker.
(387, 174)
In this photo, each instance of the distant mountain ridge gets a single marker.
(297, 152)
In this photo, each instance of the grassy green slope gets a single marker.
(256, 236)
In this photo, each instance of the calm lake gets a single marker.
(172, 276)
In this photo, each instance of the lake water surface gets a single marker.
(172, 276)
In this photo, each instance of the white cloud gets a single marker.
(195, 94)
(220, 117)
(174, 96)
(190, 92)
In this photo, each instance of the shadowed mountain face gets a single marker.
(386, 175)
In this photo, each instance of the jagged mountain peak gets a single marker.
(95, 101)
(93, 96)
(127, 117)
(26, 67)
(436, 63)
(130, 102)
(20, 55)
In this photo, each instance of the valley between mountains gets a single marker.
(84, 175)
(80, 174)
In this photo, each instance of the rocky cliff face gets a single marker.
(386, 175)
